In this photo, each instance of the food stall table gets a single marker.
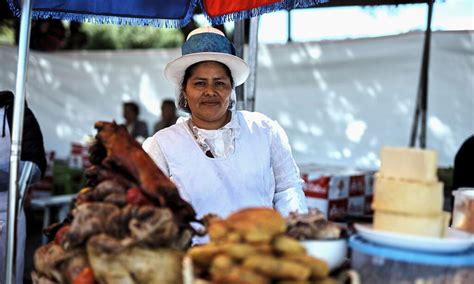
(46, 203)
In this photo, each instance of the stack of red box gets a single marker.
(79, 157)
(338, 192)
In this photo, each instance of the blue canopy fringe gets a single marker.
(143, 12)
(143, 17)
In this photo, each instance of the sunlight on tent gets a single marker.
(44, 63)
(346, 153)
(368, 160)
(148, 96)
(302, 126)
(335, 154)
(355, 130)
(300, 146)
(105, 79)
(316, 130)
(349, 53)
(264, 57)
(314, 50)
(402, 108)
(323, 86)
(285, 120)
(63, 130)
(295, 58)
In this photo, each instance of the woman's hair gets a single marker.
(189, 72)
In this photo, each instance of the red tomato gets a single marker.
(85, 277)
(136, 197)
(59, 237)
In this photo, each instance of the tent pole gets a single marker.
(290, 39)
(422, 93)
(425, 71)
(239, 42)
(416, 118)
(17, 127)
(253, 60)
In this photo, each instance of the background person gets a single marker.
(32, 149)
(137, 128)
(463, 172)
(223, 160)
(168, 115)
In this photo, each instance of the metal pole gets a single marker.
(289, 26)
(17, 131)
(416, 118)
(421, 103)
(425, 71)
(253, 56)
(239, 42)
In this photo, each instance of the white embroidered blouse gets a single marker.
(281, 181)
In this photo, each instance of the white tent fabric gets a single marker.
(339, 101)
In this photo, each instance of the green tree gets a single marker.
(130, 37)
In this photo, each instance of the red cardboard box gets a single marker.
(357, 185)
(79, 156)
(338, 192)
(368, 205)
(332, 209)
(316, 188)
(356, 205)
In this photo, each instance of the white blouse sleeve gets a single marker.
(289, 194)
(152, 148)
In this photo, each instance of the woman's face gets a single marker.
(208, 91)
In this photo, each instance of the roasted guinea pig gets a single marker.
(129, 225)
(312, 226)
(112, 264)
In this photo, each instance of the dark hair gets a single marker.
(168, 102)
(133, 106)
(189, 72)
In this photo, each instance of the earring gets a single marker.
(185, 102)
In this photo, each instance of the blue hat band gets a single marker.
(207, 42)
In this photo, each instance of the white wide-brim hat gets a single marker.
(207, 44)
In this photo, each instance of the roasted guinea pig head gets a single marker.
(133, 264)
(58, 265)
(312, 226)
(124, 154)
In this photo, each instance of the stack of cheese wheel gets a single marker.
(408, 197)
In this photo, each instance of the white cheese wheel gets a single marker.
(432, 226)
(407, 197)
(409, 164)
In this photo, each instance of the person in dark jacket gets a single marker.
(137, 128)
(463, 173)
(32, 149)
(168, 115)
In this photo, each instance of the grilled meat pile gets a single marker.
(129, 225)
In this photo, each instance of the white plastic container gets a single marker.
(334, 252)
(463, 211)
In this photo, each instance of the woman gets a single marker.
(223, 160)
